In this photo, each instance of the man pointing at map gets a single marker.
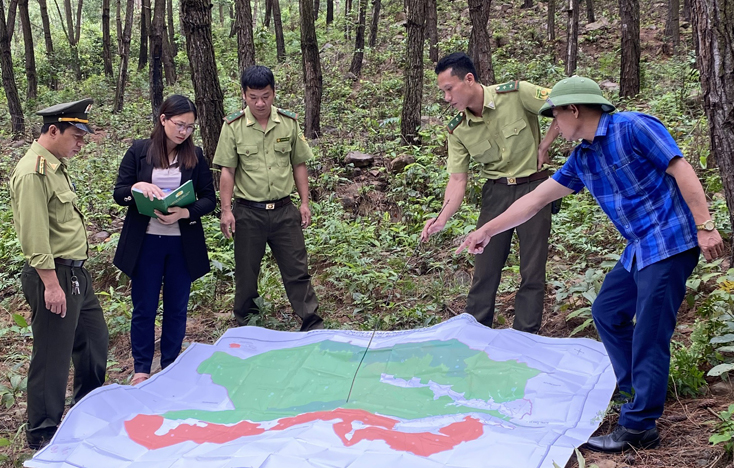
(636, 172)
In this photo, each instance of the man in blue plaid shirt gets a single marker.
(630, 164)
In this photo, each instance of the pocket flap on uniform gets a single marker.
(478, 148)
(514, 128)
(247, 150)
(283, 147)
(66, 197)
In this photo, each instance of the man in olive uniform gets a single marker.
(67, 320)
(497, 127)
(262, 152)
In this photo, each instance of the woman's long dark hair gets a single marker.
(157, 151)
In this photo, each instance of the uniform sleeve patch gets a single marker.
(542, 93)
(234, 116)
(289, 114)
(41, 165)
(455, 122)
(508, 87)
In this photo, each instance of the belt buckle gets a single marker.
(270, 206)
(511, 181)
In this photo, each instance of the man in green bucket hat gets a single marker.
(638, 175)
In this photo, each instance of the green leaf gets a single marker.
(708, 276)
(20, 321)
(728, 338)
(4, 442)
(720, 369)
(719, 438)
(582, 326)
(726, 349)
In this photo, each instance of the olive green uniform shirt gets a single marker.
(263, 159)
(46, 218)
(505, 138)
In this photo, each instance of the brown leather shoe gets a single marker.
(622, 438)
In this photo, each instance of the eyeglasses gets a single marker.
(182, 127)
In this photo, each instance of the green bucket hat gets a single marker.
(575, 90)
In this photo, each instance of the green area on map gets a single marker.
(391, 381)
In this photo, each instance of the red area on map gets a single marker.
(142, 430)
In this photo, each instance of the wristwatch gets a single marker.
(707, 226)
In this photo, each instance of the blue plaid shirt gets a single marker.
(624, 169)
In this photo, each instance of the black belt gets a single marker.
(268, 205)
(522, 180)
(69, 263)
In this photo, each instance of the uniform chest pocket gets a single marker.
(249, 157)
(634, 177)
(483, 152)
(62, 206)
(283, 153)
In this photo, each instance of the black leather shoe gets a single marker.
(622, 438)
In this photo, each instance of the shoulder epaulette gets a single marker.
(508, 87)
(234, 116)
(288, 114)
(41, 165)
(453, 123)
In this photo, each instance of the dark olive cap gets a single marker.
(75, 113)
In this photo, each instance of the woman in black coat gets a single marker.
(170, 250)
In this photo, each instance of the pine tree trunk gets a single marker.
(312, 78)
(316, 7)
(358, 56)
(572, 37)
(145, 27)
(124, 58)
(169, 65)
(479, 41)
(329, 12)
(629, 76)
(279, 38)
(12, 11)
(30, 56)
(590, 16)
(172, 31)
(71, 36)
(197, 28)
(415, 11)
(713, 23)
(118, 25)
(672, 28)
(347, 19)
(432, 30)
(106, 46)
(221, 12)
(245, 37)
(687, 10)
(551, 21)
(53, 81)
(155, 70)
(17, 121)
(268, 13)
(375, 22)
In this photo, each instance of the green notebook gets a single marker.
(182, 196)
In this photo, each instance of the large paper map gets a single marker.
(454, 395)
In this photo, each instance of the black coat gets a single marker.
(134, 168)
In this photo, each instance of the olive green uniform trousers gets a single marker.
(533, 236)
(281, 230)
(80, 337)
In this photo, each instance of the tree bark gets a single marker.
(672, 28)
(347, 19)
(329, 12)
(221, 12)
(171, 30)
(169, 65)
(572, 37)
(155, 70)
(629, 76)
(480, 48)
(279, 38)
(106, 39)
(71, 36)
(375, 22)
(268, 13)
(53, 81)
(316, 7)
(687, 10)
(17, 122)
(118, 25)
(12, 12)
(432, 30)
(551, 21)
(124, 58)
(145, 26)
(713, 24)
(30, 56)
(245, 37)
(358, 56)
(590, 16)
(312, 78)
(197, 21)
(415, 12)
